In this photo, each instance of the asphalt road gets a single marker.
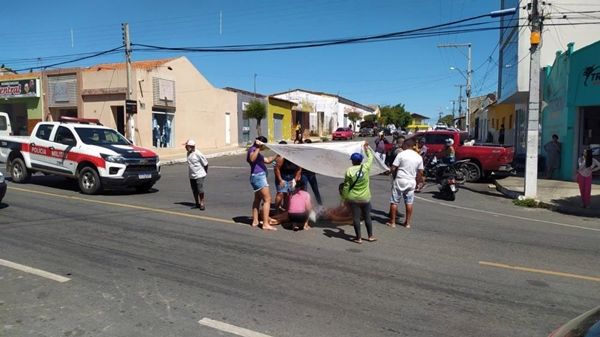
(148, 265)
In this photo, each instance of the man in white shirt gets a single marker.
(197, 168)
(407, 170)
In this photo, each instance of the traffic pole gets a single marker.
(533, 111)
(127, 44)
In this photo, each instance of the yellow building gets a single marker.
(279, 117)
(499, 115)
(418, 123)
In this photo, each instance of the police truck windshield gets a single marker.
(100, 136)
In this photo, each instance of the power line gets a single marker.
(114, 50)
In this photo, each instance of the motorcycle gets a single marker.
(447, 176)
(448, 186)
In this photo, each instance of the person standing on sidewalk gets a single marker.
(407, 171)
(258, 180)
(553, 150)
(356, 191)
(586, 166)
(197, 169)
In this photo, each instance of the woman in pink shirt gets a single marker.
(299, 207)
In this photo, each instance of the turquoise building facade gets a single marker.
(571, 105)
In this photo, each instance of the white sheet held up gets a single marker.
(330, 159)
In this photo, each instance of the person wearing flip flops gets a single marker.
(356, 191)
(197, 168)
(407, 172)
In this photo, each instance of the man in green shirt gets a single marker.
(357, 192)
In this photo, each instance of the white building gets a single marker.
(514, 57)
(327, 111)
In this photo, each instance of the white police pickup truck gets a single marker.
(97, 156)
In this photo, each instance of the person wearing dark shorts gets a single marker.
(197, 168)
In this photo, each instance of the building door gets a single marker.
(227, 128)
(119, 117)
(278, 126)
(245, 131)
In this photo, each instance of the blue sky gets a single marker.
(413, 72)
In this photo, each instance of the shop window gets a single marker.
(162, 129)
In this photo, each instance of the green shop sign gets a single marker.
(20, 88)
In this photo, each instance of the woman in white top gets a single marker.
(585, 168)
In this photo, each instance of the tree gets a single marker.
(257, 110)
(354, 117)
(369, 118)
(448, 120)
(395, 114)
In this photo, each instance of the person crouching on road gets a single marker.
(299, 207)
(286, 174)
(407, 171)
(258, 180)
(357, 192)
(198, 169)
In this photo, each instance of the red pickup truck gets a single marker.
(488, 159)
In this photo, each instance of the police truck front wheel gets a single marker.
(89, 181)
(18, 171)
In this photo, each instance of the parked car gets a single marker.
(484, 160)
(366, 132)
(5, 128)
(585, 325)
(2, 187)
(342, 133)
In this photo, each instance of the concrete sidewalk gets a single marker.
(170, 156)
(178, 155)
(557, 195)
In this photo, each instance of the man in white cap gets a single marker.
(198, 168)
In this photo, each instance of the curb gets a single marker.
(549, 206)
(208, 156)
(509, 193)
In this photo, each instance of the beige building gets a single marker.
(174, 103)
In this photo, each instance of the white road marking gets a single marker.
(508, 215)
(34, 271)
(222, 326)
(231, 167)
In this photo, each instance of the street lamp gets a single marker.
(469, 70)
(460, 71)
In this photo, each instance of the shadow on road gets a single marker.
(242, 219)
(3, 205)
(185, 203)
(339, 234)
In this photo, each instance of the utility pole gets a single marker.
(127, 44)
(254, 85)
(533, 111)
(453, 108)
(469, 72)
(460, 100)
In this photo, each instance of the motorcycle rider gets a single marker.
(448, 154)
